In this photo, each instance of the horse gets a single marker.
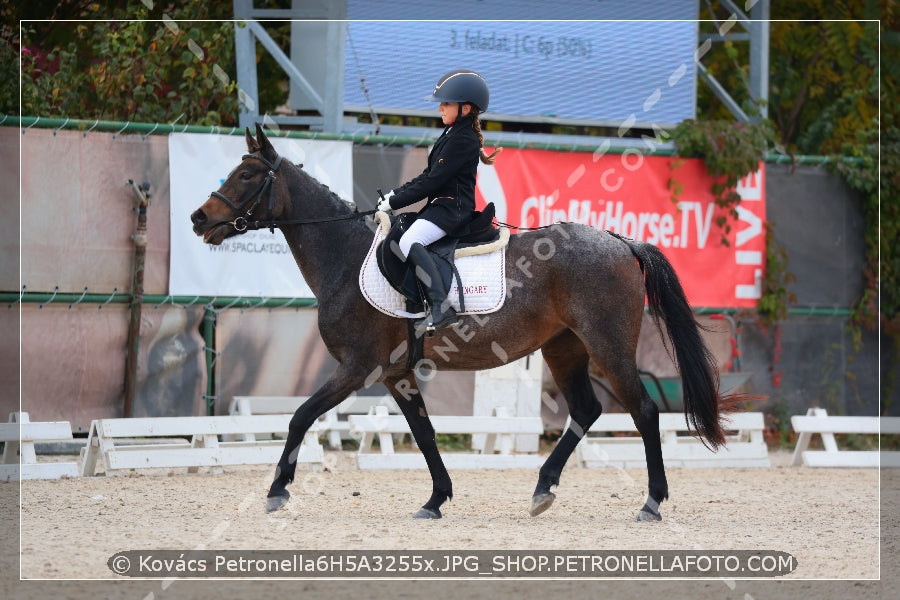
(574, 292)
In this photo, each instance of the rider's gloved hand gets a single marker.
(385, 204)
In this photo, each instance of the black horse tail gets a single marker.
(696, 364)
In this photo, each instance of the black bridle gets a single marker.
(241, 223)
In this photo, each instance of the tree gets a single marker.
(825, 79)
(127, 66)
(823, 75)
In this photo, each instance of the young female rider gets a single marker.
(448, 182)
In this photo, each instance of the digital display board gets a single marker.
(579, 68)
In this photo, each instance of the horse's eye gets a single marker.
(244, 175)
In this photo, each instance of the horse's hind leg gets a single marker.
(405, 391)
(627, 385)
(568, 361)
(613, 350)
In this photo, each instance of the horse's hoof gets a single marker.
(648, 515)
(541, 502)
(273, 503)
(427, 513)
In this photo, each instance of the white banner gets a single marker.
(257, 263)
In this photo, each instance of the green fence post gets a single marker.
(209, 346)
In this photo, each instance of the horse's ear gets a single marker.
(265, 146)
(252, 146)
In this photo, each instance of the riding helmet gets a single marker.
(462, 85)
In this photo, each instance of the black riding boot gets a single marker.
(440, 313)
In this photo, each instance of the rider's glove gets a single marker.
(385, 204)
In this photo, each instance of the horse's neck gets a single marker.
(329, 254)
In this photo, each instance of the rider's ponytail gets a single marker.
(476, 125)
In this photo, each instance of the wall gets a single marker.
(10, 255)
(77, 219)
(818, 221)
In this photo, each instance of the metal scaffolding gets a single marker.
(315, 66)
(756, 28)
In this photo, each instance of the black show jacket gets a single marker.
(448, 182)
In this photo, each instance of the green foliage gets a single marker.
(879, 191)
(778, 432)
(861, 174)
(730, 150)
(882, 227)
(133, 69)
(776, 297)
(9, 70)
(454, 442)
(823, 74)
(824, 82)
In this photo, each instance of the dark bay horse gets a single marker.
(573, 291)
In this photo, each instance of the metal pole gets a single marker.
(365, 139)
(245, 57)
(137, 297)
(759, 56)
(116, 298)
(208, 327)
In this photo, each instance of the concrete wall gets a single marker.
(818, 220)
(77, 218)
(10, 256)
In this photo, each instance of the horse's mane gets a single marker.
(331, 194)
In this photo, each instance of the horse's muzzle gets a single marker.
(198, 217)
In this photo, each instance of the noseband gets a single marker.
(240, 222)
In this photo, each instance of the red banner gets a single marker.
(630, 194)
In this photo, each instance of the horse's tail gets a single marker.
(696, 364)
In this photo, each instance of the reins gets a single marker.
(242, 224)
(508, 226)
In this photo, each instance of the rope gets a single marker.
(362, 83)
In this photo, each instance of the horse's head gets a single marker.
(248, 192)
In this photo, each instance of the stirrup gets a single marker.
(448, 318)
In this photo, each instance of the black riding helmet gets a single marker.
(462, 85)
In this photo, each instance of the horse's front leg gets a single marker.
(405, 391)
(336, 389)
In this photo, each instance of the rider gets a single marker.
(448, 182)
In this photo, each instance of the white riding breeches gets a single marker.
(420, 232)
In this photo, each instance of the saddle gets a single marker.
(401, 276)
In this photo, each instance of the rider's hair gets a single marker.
(476, 125)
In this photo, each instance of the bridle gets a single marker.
(241, 223)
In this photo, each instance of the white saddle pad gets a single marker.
(483, 277)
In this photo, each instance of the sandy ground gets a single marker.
(827, 519)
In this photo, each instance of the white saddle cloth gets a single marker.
(482, 270)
